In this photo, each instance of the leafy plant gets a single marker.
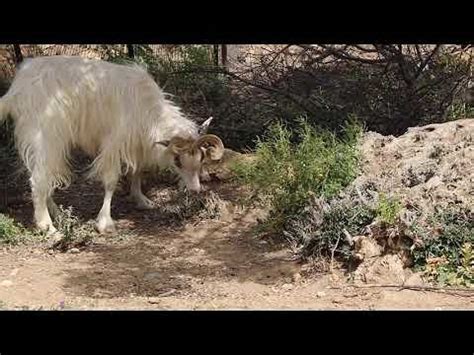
(446, 252)
(387, 209)
(10, 232)
(73, 233)
(291, 166)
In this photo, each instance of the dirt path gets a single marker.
(211, 264)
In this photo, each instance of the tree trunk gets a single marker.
(216, 55)
(224, 55)
(130, 51)
(18, 54)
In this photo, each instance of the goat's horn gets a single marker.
(178, 145)
(212, 144)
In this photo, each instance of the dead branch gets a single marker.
(414, 288)
(258, 85)
(342, 54)
(426, 61)
(333, 251)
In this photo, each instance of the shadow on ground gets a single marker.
(159, 254)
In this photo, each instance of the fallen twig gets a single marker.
(348, 236)
(333, 251)
(414, 288)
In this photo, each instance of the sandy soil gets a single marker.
(200, 264)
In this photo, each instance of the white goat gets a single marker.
(116, 114)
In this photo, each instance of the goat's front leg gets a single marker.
(105, 223)
(136, 194)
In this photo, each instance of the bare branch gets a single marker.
(295, 99)
(426, 62)
(458, 291)
(341, 54)
(364, 49)
(278, 53)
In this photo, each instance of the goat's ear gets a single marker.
(205, 125)
(163, 143)
(204, 154)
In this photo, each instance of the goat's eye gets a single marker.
(177, 162)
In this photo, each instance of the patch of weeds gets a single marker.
(322, 229)
(74, 234)
(213, 206)
(445, 253)
(388, 209)
(123, 236)
(11, 233)
(291, 166)
(460, 110)
(184, 206)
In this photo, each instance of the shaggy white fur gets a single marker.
(114, 113)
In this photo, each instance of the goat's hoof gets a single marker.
(141, 203)
(105, 227)
(145, 205)
(47, 227)
(55, 237)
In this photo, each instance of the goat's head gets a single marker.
(187, 156)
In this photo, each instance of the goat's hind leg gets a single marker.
(52, 207)
(136, 193)
(41, 191)
(109, 171)
(105, 223)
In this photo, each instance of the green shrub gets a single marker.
(446, 249)
(10, 232)
(388, 209)
(460, 110)
(291, 167)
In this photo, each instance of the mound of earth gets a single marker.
(426, 168)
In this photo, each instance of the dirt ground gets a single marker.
(201, 264)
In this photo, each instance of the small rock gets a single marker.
(434, 182)
(154, 300)
(199, 251)
(50, 251)
(415, 280)
(168, 293)
(149, 276)
(296, 277)
(74, 251)
(287, 287)
(320, 294)
(56, 237)
(6, 283)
